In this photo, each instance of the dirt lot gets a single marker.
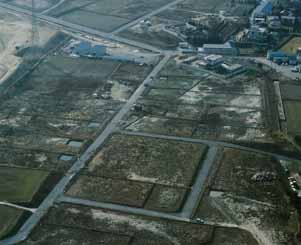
(15, 31)
(104, 15)
(121, 227)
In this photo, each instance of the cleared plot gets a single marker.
(175, 69)
(147, 159)
(290, 92)
(235, 176)
(293, 116)
(110, 190)
(292, 45)
(9, 218)
(142, 230)
(155, 35)
(20, 185)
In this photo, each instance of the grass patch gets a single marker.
(20, 185)
(8, 219)
(292, 45)
(293, 116)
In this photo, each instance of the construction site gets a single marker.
(137, 122)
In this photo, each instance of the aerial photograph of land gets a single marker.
(163, 122)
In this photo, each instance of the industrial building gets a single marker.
(231, 70)
(280, 57)
(213, 60)
(221, 49)
(89, 50)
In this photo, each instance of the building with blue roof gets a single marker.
(86, 49)
(280, 57)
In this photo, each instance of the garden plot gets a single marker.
(146, 172)
(15, 157)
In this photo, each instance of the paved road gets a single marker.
(211, 143)
(83, 29)
(155, 12)
(58, 190)
(124, 209)
(198, 187)
(284, 70)
(53, 7)
(32, 210)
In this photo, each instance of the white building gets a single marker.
(214, 60)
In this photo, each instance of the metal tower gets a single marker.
(35, 38)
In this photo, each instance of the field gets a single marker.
(292, 45)
(9, 218)
(290, 92)
(104, 15)
(215, 6)
(185, 100)
(293, 116)
(69, 219)
(20, 185)
(147, 173)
